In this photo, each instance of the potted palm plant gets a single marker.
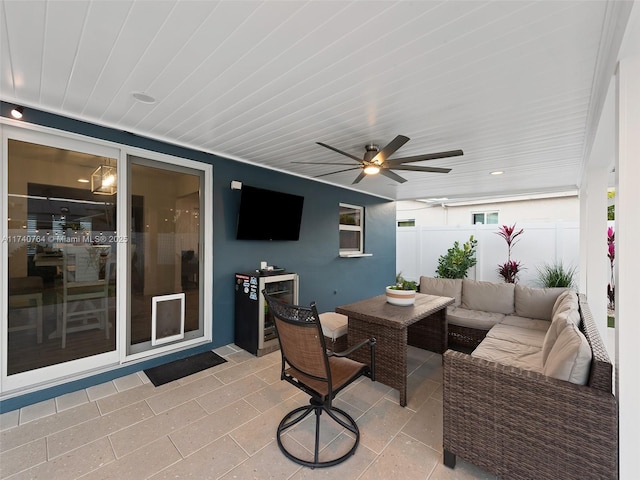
(402, 293)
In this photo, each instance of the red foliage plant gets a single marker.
(510, 269)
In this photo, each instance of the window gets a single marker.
(351, 229)
(407, 223)
(484, 218)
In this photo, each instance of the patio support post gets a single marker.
(627, 251)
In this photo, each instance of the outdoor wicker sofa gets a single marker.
(480, 305)
(522, 424)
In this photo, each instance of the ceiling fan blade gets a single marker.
(340, 152)
(359, 177)
(390, 148)
(421, 169)
(338, 171)
(426, 156)
(393, 176)
(323, 163)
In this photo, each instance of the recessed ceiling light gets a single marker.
(83, 180)
(143, 97)
(16, 112)
(497, 172)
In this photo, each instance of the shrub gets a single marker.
(458, 260)
(556, 275)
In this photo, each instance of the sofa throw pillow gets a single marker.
(535, 302)
(487, 296)
(443, 287)
(560, 320)
(566, 300)
(570, 357)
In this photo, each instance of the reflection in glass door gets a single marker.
(61, 240)
(165, 255)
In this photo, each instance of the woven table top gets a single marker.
(377, 310)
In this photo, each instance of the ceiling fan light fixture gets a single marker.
(371, 169)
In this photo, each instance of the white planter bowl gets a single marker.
(402, 298)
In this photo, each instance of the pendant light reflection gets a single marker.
(104, 180)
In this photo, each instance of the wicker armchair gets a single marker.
(321, 373)
(524, 425)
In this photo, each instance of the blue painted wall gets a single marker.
(324, 277)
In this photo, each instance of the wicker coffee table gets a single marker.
(423, 325)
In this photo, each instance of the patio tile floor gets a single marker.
(221, 424)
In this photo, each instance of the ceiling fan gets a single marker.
(377, 161)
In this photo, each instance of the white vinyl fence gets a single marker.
(418, 249)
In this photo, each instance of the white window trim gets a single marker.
(485, 213)
(353, 228)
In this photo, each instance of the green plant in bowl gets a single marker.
(402, 284)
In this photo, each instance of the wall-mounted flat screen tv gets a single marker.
(269, 215)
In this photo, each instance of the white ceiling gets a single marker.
(517, 85)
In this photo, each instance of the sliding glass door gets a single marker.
(165, 294)
(60, 255)
(103, 256)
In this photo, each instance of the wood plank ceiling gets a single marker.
(512, 83)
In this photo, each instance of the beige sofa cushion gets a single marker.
(535, 302)
(509, 353)
(487, 296)
(522, 322)
(443, 287)
(561, 319)
(565, 301)
(524, 336)
(472, 318)
(570, 357)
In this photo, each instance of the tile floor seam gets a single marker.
(113, 450)
(428, 477)
(420, 442)
(107, 436)
(249, 456)
(168, 435)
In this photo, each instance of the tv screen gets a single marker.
(268, 215)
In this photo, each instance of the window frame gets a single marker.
(485, 215)
(343, 227)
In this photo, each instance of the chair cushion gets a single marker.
(535, 302)
(487, 296)
(570, 357)
(473, 318)
(443, 287)
(334, 325)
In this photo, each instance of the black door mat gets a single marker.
(182, 368)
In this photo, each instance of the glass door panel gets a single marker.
(165, 257)
(61, 256)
